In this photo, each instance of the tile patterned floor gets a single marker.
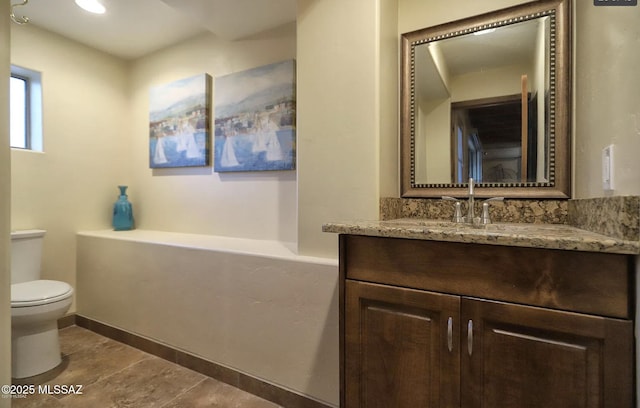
(114, 375)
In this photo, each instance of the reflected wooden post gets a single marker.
(525, 128)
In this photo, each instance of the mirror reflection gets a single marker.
(482, 106)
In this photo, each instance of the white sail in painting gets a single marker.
(259, 142)
(193, 151)
(181, 144)
(228, 158)
(158, 156)
(274, 150)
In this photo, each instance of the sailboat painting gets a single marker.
(255, 119)
(179, 123)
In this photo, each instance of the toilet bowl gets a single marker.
(36, 306)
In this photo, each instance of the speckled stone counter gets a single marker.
(608, 224)
(550, 236)
(617, 217)
(509, 210)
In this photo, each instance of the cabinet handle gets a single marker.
(470, 337)
(450, 334)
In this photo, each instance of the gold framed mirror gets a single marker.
(489, 98)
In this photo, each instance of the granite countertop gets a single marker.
(551, 236)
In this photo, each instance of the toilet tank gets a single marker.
(26, 255)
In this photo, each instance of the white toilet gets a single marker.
(36, 306)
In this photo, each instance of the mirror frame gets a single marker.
(559, 184)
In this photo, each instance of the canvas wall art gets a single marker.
(179, 117)
(255, 119)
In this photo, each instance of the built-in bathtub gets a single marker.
(253, 306)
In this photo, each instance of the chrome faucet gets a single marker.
(457, 209)
(486, 218)
(457, 215)
(470, 209)
(471, 217)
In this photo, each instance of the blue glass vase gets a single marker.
(122, 212)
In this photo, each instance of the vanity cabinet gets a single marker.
(396, 347)
(443, 324)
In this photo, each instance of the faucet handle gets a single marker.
(486, 218)
(457, 209)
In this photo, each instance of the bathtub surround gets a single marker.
(250, 306)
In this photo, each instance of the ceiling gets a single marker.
(132, 28)
(437, 63)
(513, 44)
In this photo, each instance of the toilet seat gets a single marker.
(39, 292)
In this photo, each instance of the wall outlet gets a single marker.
(607, 168)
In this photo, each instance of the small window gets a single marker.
(25, 105)
(19, 112)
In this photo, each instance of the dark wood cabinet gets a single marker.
(400, 347)
(404, 344)
(528, 357)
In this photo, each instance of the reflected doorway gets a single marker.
(489, 136)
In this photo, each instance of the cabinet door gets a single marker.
(524, 357)
(401, 347)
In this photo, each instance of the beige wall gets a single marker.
(434, 119)
(388, 99)
(416, 14)
(339, 118)
(72, 184)
(607, 97)
(500, 81)
(5, 203)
